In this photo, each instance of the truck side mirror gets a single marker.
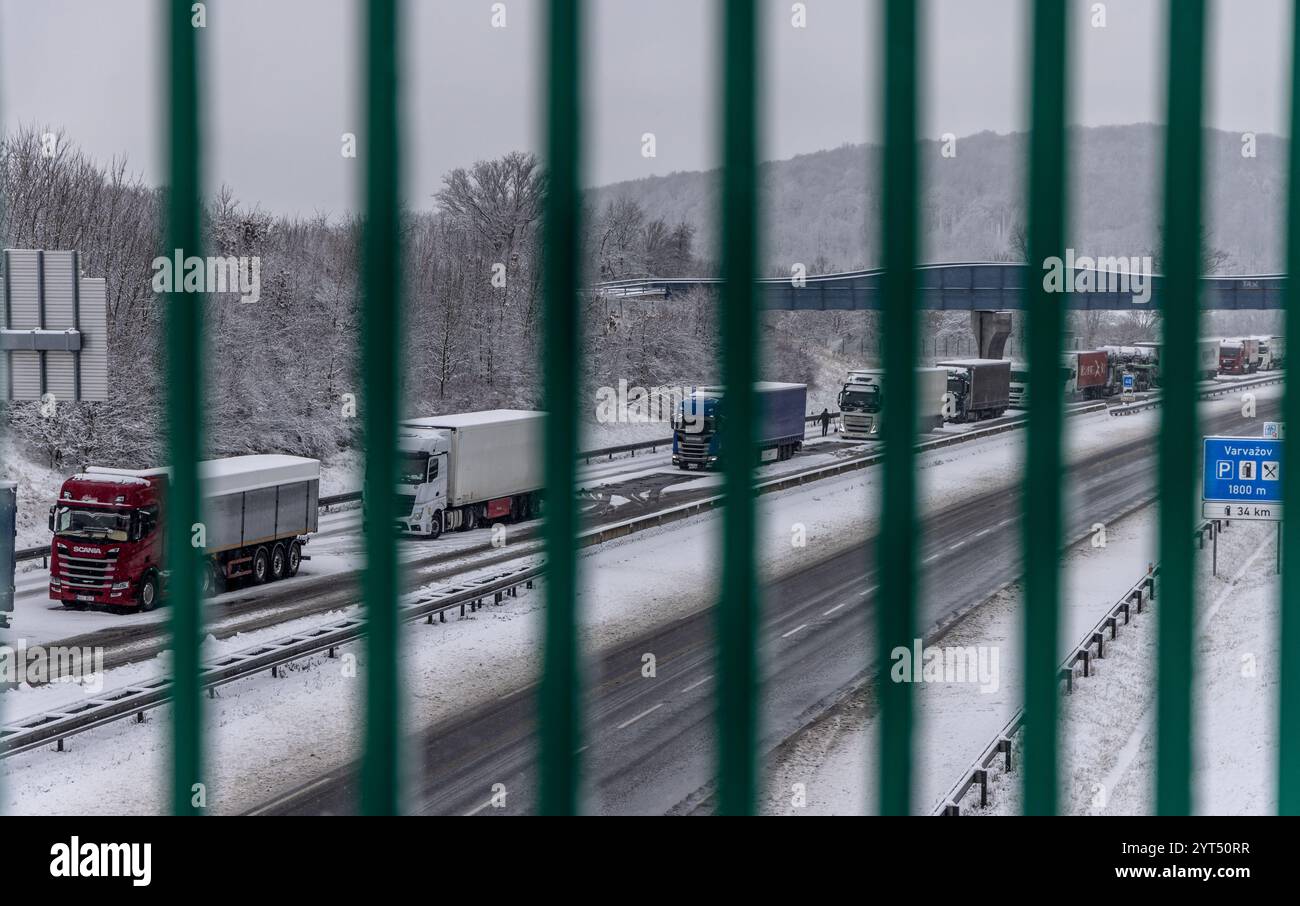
(51, 520)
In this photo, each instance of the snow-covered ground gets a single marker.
(268, 734)
(1108, 725)
(836, 758)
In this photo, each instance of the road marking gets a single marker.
(793, 631)
(836, 607)
(982, 533)
(266, 809)
(519, 691)
(697, 683)
(479, 809)
(863, 594)
(931, 557)
(627, 723)
(953, 547)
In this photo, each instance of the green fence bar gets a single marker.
(897, 550)
(559, 704)
(1179, 442)
(1288, 750)
(380, 328)
(1041, 503)
(183, 352)
(738, 610)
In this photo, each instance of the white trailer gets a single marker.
(460, 471)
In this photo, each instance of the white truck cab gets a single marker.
(422, 478)
(462, 471)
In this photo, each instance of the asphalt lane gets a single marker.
(651, 740)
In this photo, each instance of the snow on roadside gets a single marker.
(835, 759)
(38, 486)
(268, 734)
(1108, 734)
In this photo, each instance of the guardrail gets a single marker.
(1206, 394)
(57, 725)
(654, 445)
(34, 553)
(979, 771)
(61, 723)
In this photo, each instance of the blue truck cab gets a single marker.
(697, 424)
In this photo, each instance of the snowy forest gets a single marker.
(279, 371)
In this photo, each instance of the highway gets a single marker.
(610, 491)
(650, 741)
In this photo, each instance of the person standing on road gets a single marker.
(826, 421)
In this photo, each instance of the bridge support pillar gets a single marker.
(991, 329)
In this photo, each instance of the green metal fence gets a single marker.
(737, 609)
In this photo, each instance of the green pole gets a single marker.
(380, 353)
(183, 353)
(1041, 502)
(737, 610)
(1178, 444)
(897, 551)
(560, 702)
(1288, 781)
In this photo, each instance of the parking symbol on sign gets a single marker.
(1269, 471)
(1223, 468)
(1246, 470)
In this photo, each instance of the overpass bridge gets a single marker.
(969, 286)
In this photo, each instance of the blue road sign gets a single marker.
(1243, 478)
(1128, 382)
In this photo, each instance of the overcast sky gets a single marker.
(281, 81)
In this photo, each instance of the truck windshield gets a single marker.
(413, 468)
(864, 400)
(111, 525)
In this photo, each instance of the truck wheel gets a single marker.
(295, 559)
(469, 519)
(435, 530)
(218, 577)
(261, 566)
(209, 586)
(279, 562)
(149, 592)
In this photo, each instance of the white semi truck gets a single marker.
(862, 398)
(463, 471)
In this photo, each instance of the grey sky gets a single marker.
(282, 81)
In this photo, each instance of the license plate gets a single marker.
(85, 597)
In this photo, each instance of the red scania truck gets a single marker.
(108, 526)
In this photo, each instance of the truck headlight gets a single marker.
(121, 586)
(875, 428)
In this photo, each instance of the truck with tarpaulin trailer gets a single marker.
(108, 528)
(697, 424)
